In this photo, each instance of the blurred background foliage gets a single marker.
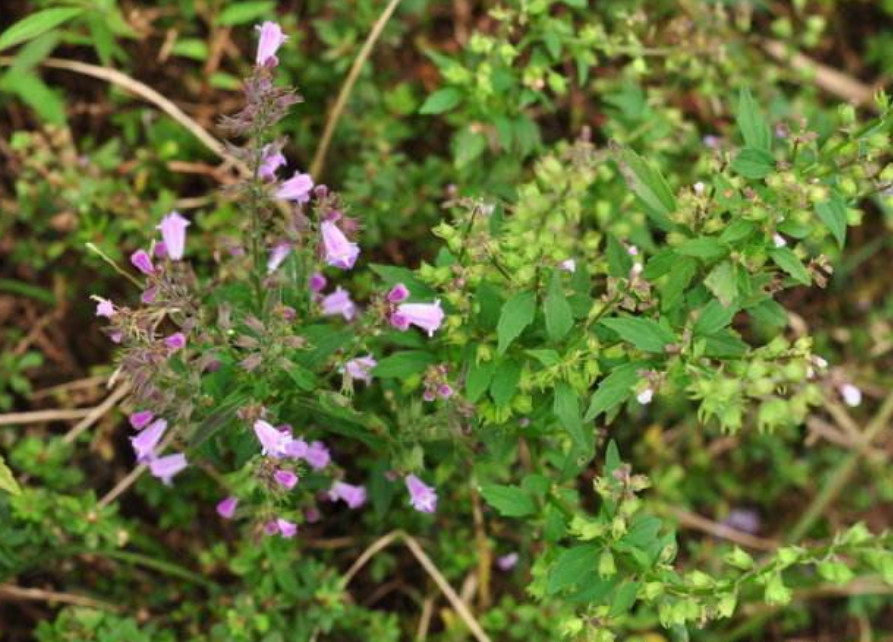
(457, 99)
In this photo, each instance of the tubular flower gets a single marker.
(226, 508)
(317, 455)
(273, 442)
(422, 497)
(360, 369)
(165, 468)
(339, 302)
(173, 231)
(141, 419)
(339, 251)
(285, 478)
(272, 159)
(353, 496)
(278, 255)
(104, 307)
(144, 444)
(271, 38)
(427, 316)
(142, 262)
(296, 189)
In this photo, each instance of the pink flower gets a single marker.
(339, 251)
(360, 369)
(296, 189)
(311, 515)
(271, 38)
(286, 528)
(173, 231)
(445, 391)
(160, 250)
(296, 449)
(422, 497)
(227, 507)
(144, 444)
(317, 282)
(165, 468)
(273, 442)
(317, 455)
(427, 316)
(278, 254)
(339, 302)
(285, 478)
(177, 341)
(104, 307)
(142, 262)
(398, 294)
(141, 419)
(271, 161)
(507, 562)
(149, 295)
(353, 496)
(117, 336)
(569, 265)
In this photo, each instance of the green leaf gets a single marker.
(648, 185)
(36, 24)
(403, 364)
(7, 481)
(478, 379)
(510, 501)
(614, 389)
(624, 598)
(517, 314)
(441, 101)
(467, 146)
(713, 318)
(723, 283)
(706, 248)
(754, 163)
(753, 126)
(833, 214)
(505, 382)
(572, 566)
(645, 334)
(785, 258)
(619, 260)
(559, 316)
(240, 13)
(36, 94)
(567, 408)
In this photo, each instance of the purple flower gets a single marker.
(339, 302)
(285, 478)
(173, 231)
(297, 188)
(317, 455)
(278, 254)
(353, 496)
(317, 282)
(227, 507)
(273, 442)
(286, 528)
(141, 419)
(117, 336)
(743, 519)
(164, 468)
(507, 562)
(445, 391)
(427, 316)
(271, 38)
(360, 369)
(398, 294)
(311, 515)
(422, 497)
(144, 444)
(177, 341)
(149, 295)
(104, 307)
(142, 262)
(160, 250)
(296, 449)
(339, 251)
(271, 161)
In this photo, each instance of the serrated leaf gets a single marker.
(467, 146)
(723, 283)
(613, 390)
(573, 565)
(754, 163)
(517, 313)
(648, 185)
(713, 318)
(403, 364)
(441, 101)
(478, 379)
(624, 598)
(705, 248)
(505, 382)
(509, 501)
(645, 334)
(559, 316)
(36, 24)
(566, 407)
(785, 258)
(833, 214)
(751, 123)
(7, 481)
